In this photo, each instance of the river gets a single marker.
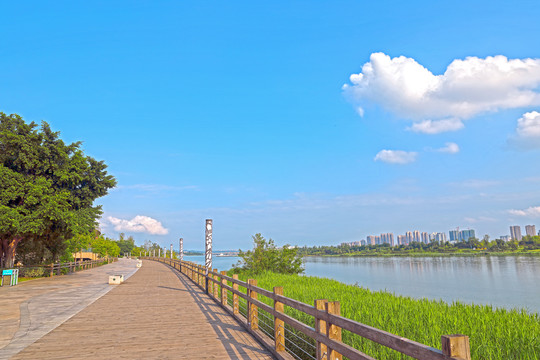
(502, 281)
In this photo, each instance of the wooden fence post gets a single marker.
(320, 327)
(201, 277)
(253, 316)
(52, 270)
(333, 331)
(456, 346)
(279, 325)
(236, 304)
(223, 290)
(216, 286)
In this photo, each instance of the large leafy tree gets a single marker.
(47, 187)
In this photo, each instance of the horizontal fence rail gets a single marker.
(280, 332)
(60, 268)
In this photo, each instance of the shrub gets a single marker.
(265, 256)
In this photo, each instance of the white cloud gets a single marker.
(529, 125)
(437, 126)
(480, 219)
(476, 183)
(533, 211)
(139, 223)
(527, 135)
(450, 148)
(438, 103)
(396, 156)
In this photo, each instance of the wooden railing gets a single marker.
(64, 268)
(327, 319)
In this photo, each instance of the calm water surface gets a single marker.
(502, 281)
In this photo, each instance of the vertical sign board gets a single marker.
(181, 249)
(208, 249)
(171, 252)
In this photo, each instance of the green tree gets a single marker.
(105, 247)
(138, 251)
(47, 188)
(265, 256)
(126, 245)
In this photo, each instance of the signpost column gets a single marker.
(208, 250)
(181, 253)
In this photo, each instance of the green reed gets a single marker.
(494, 333)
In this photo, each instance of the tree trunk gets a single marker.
(8, 248)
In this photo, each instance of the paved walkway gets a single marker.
(33, 308)
(156, 314)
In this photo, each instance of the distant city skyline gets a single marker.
(454, 235)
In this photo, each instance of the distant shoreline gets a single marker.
(467, 254)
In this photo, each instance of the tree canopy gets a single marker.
(126, 245)
(265, 256)
(47, 187)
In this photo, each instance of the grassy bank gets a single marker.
(494, 333)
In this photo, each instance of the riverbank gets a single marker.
(431, 254)
(495, 333)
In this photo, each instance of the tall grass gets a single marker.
(494, 333)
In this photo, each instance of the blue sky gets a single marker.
(238, 112)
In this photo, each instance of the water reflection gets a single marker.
(502, 281)
(505, 281)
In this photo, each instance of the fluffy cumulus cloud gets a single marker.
(139, 223)
(396, 156)
(533, 211)
(527, 135)
(529, 125)
(449, 148)
(439, 103)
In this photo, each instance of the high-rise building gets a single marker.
(370, 240)
(425, 237)
(454, 235)
(387, 238)
(530, 230)
(409, 237)
(465, 235)
(515, 232)
(401, 240)
(416, 236)
(441, 237)
(506, 238)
